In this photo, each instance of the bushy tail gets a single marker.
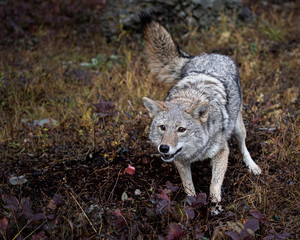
(165, 58)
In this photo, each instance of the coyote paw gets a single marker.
(216, 209)
(253, 168)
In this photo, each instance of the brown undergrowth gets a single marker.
(66, 178)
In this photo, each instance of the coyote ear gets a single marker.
(199, 111)
(153, 107)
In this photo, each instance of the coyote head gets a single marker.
(178, 128)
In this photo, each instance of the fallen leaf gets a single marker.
(233, 235)
(39, 236)
(124, 196)
(258, 215)
(130, 170)
(51, 205)
(117, 212)
(198, 201)
(18, 180)
(3, 223)
(250, 228)
(190, 212)
(170, 186)
(175, 232)
(137, 192)
(56, 201)
(11, 202)
(26, 206)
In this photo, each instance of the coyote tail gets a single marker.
(165, 59)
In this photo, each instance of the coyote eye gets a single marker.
(162, 127)
(181, 129)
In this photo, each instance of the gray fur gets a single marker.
(201, 111)
(223, 70)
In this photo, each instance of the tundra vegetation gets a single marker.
(75, 158)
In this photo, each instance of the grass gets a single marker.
(78, 165)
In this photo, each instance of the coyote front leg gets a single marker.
(219, 166)
(184, 169)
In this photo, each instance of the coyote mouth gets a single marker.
(170, 157)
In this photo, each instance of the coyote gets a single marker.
(201, 112)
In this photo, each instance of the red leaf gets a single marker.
(117, 212)
(38, 217)
(3, 223)
(252, 224)
(233, 235)
(175, 232)
(104, 107)
(130, 170)
(26, 206)
(198, 201)
(58, 200)
(170, 186)
(39, 236)
(50, 216)
(190, 212)
(121, 222)
(11, 202)
(163, 194)
(269, 237)
(257, 214)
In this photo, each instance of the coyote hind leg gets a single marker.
(240, 136)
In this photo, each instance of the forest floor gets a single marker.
(72, 121)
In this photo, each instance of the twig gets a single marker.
(72, 227)
(112, 191)
(35, 229)
(21, 231)
(84, 213)
(4, 237)
(100, 229)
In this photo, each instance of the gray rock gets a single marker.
(245, 14)
(120, 14)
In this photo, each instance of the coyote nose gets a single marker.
(164, 148)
